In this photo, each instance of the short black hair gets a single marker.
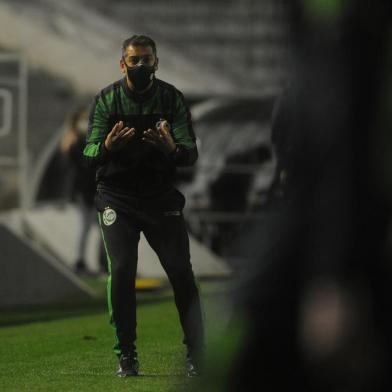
(139, 40)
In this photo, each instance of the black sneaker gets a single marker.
(192, 367)
(129, 366)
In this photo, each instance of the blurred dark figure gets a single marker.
(316, 305)
(82, 186)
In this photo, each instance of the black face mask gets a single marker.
(140, 76)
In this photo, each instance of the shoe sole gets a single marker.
(125, 374)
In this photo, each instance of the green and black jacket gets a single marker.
(138, 168)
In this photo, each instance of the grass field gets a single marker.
(69, 348)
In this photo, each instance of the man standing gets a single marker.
(139, 130)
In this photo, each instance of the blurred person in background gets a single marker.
(81, 187)
(314, 310)
(140, 130)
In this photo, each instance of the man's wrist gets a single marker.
(105, 150)
(105, 146)
(174, 151)
(176, 154)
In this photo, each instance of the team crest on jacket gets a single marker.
(109, 216)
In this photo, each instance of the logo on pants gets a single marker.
(109, 216)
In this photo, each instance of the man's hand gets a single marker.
(160, 137)
(118, 136)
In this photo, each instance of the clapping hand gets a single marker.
(160, 137)
(118, 136)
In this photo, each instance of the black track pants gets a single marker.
(167, 235)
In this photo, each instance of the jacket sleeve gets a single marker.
(186, 153)
(95, 152)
